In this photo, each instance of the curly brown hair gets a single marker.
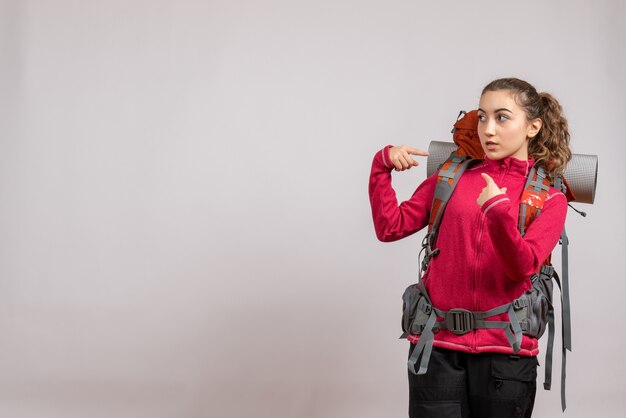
(550, 147)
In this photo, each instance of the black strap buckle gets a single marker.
(520, 303)
(417, 328)
(427, 243)
(459, 321)
(547, 271)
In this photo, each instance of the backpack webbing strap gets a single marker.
(424, 346)
(548, 272)
(461, 321)
(547, 382)
(566, 336)
(565, 306)
(566, 325)
(566, 322)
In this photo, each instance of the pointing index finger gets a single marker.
(416, 151)
(487, 178)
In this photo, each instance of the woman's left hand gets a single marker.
(490, 190)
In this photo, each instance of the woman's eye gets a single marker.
(481, 118)
(502, 117)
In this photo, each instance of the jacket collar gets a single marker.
(510, 165)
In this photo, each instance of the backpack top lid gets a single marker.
(465, 136)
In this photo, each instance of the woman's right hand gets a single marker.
(400, 157)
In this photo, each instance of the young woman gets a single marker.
(483, 261)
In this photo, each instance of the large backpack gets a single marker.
(532, 312)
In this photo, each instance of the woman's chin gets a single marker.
(494, 155)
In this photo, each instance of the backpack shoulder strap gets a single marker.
(447, 178)
(535, 194)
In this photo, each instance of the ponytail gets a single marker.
(550, 147)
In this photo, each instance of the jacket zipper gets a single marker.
(481, 224)
(481, 229)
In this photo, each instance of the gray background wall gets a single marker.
(185, 229)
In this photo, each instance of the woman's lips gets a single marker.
(491, 145)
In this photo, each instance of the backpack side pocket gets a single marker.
(415, 311)
(533, 307)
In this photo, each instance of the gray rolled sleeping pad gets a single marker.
(581, 172)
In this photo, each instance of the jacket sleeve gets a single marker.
(523, 256)
(392, 221)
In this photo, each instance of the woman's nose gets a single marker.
(490, 128)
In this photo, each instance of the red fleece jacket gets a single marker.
(484, 261)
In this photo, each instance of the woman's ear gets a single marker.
(534, 127)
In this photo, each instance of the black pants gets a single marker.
(462, 385)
